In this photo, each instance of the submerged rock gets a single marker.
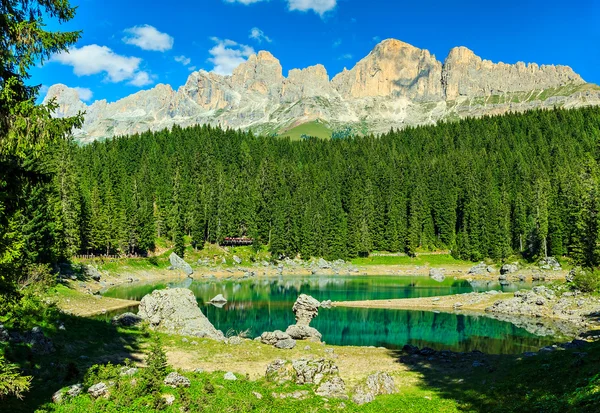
(178, 263)
(176, 311)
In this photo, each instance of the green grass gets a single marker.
(420, 260)
(315, 128)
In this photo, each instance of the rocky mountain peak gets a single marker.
(468, 75)
(395, 85)
(393, 68)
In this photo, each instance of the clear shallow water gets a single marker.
(266, 304)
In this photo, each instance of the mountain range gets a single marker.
(395, 86)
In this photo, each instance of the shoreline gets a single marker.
(86, 299)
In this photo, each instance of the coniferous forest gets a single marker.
(491, 187)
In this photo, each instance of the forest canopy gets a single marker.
(490, 187)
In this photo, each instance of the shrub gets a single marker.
(587, 281)
(11, 380)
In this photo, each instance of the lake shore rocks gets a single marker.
(545, 302)
(437, 274)
(176, 311)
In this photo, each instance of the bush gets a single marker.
(586, 280)
(11, 380)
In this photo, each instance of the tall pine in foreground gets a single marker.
(27, 131)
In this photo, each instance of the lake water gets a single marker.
(265, 304)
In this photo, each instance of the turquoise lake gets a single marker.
(265, 304)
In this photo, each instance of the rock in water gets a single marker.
(437, 274)
(179, 263)
(176, 311)
(218, 299)
(305, 308)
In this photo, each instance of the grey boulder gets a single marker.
(376, 384)
(302, 332)
(98, 390)
(288, 344)
(178, 263)
(175, 380)
(126, 320)
(436, 274)
(176, 311)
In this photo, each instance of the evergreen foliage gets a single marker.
(520, 183)
(28, 212)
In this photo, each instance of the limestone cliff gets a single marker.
(396, 85)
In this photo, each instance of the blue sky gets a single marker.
(130, 45)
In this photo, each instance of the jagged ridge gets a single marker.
(394, 86)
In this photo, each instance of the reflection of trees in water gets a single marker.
(266, 305)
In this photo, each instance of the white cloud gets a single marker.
(148, 38)
(347, 56)
(141, 79)
(192, 68)
(259, 35)
(43, 90)
(183, 60)
(93, 59)
(337, 43)
(318, 6)
(227, 55)
(84, 93)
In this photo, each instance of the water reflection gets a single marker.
(265, 305)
